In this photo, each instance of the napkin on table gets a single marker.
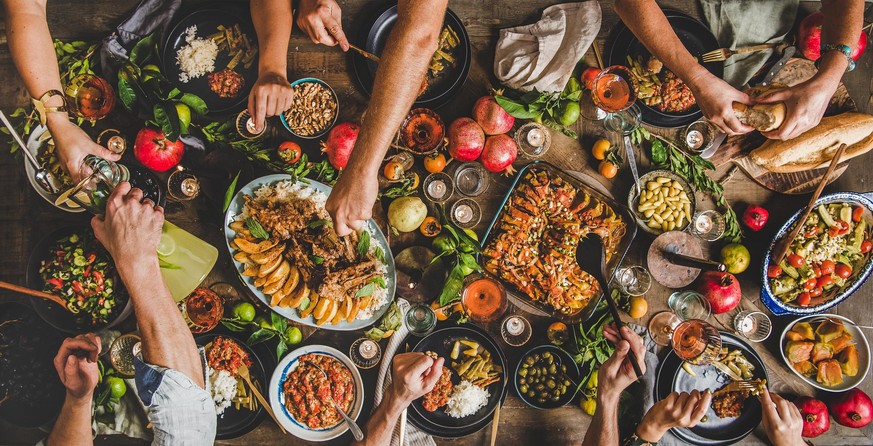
(544, 54)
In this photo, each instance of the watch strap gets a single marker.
(43, 109)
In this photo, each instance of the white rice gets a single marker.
(286, 190)
(197, 58)
(466, 399)
(223, 387)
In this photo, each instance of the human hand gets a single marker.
(72, 145)
(782, 420)
(413, 375)
(715, 98)
(321, 20)
(130, 229)
(76, 363)
(805, 104)
(617, 372)
(676, 410)
(270, 96)
(350, 203)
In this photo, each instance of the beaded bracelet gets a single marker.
(843, 49)
(634, 440)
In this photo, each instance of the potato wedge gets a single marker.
(338, 316)
(296, 297)
(356, 307)
(260, 282)
(254, 248)
(328, 314)
(277, 298)
(275, 287)
(281, 272)
(238, 226)
(293, 280)
(233, 245)
(313, 302)
(268, 256)
(250, 271)
(322, 308)
(241, 257)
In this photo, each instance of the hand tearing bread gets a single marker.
(763, 117)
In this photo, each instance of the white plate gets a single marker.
(33, 146)
(277, 396)
(861, 345)
(236, 207)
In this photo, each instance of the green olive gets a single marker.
(531, 394)
(540, 387)
(536, 357)
(553, 369)
(529, 360)
(523, 372)
(541, 401)
(551, 383)
(555, 399)
(563, 368)
(522, 381)
(547, 355)
(567, 382)
(523, 388)
(544, 371)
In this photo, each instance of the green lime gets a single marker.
(166, 245)
(117, 387)
(570, 113)
(244, 311)
(184, 113)
(293, 335)
(263, 322)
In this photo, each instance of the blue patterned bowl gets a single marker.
(776, 305)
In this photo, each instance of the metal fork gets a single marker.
(356, 431)
(837, 321)
(737, 386)
(722, 54)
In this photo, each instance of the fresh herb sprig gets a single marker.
(692, 168)
(542, 106)
(460, 249)
(276, 328)
(256, 229)
(592, 349)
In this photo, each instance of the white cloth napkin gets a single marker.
(543, 55)
(413, 436)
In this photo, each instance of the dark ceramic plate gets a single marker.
(57, 316)
(562, 357)
(696, 37)
(375, 34)
(235, 423)
(207, 17)
(714, 431)
(438, 422)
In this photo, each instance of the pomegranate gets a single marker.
(815, 416)
(155, 151)
(852, 408)
(339, 144)
(722, 290)
(755, 217)
(491, 116)
(499, 154)
(809, 38)
(466, 139)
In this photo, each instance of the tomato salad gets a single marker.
(80, 271)
(307, 391)
(833, 243)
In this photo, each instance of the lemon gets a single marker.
(166, 245)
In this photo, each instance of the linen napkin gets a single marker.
(739, 23)
(543, 55)
(652, 360)
(413, 436)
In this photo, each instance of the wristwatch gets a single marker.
(843, 49)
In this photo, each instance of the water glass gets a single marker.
(465, 213)
(699, 136)
(708, 225)
(533, 140)
(689, 305)
(753, 325)
(420, 320)
(633, 280)
(471, 179)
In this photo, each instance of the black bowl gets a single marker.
(235, 423)
(375, 34)
(55, 315)
(563, 358)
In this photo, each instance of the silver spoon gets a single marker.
(44, 178)
(356, 431)
(837, 321)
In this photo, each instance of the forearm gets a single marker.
(273, 24)
(649, 24)
(380, 427)
(603, 430)
(398, 80)
(73, 426)
(842, 24)
(167, 341)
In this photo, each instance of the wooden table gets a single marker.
(25, 216)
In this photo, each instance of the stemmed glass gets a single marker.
(694, 341)
(615, 92)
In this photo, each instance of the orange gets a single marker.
(393, 171)
(441, 313)
(607, 169)
(638, 307)
(600, 148)
(435, 162)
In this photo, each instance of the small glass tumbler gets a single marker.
(753, 325)
(420, 320)
(533, 140)
(699, 136)
(471, 179)
(708, 225)
(438, 187)
(515, 330)
(633, 280)
(465, 213)
(365, 353)
(689, 305)
(182, 185)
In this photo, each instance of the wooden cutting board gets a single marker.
(736, 149)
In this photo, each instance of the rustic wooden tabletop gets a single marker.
(24, 216)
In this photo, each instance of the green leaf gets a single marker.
(516, 109)
(196, 104)
(375, 334)
(260, 336)
(468, 260)
(316, 259)
(173, 93)
(228, 195)
(379, 280)
(366, 290)
(232, 325)
(452, 289)
(319, 223)
(363, 243)
(256, 229)
(169, 126)
(279, 322)
(379, 253)
(142, 50)
(126, 94)
(281, 349)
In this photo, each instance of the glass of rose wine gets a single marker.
(694, 341)
(89, 96)
(615, 89)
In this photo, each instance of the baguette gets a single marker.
(763, 117)
(815, 148)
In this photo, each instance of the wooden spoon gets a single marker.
(782, 245)
(35, 293)
(243, 372)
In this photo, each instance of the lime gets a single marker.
(244, 311)
(263, 322)
(184, 113)
(117, 387)
(293, 335)
(166, 245)
(570, 113)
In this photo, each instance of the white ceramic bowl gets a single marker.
(861, 345)
(277, 396)
(33, 146)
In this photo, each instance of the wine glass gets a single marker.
(615, 89)
(89, 96)
(694, 341)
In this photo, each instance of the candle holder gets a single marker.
(438, 187)
(245, 126)
(182, 185)
(515, 330)
(365, 353)
(753, 325)
(471, 179)
(113, 140)
(533, 140)
(708, 225)
(465, 213)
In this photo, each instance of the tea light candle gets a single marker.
(464, 213)
(703, 223)
(536, 137)
(514, 326)
(368, 349)
(694, 139)
(437, 189)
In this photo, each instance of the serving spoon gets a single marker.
(43, 177)
(356, 431)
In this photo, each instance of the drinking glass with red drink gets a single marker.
(614, 89)
(484, 299)
(89, 96)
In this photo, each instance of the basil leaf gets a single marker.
(278, 321)
(256, 229)
(366, 290)
(319, 223)
(379, 253)
(379, 280)
(316, 259)
(363, 244)
(228, 195)
(659, 153)
(260, 336)
(452, 289)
